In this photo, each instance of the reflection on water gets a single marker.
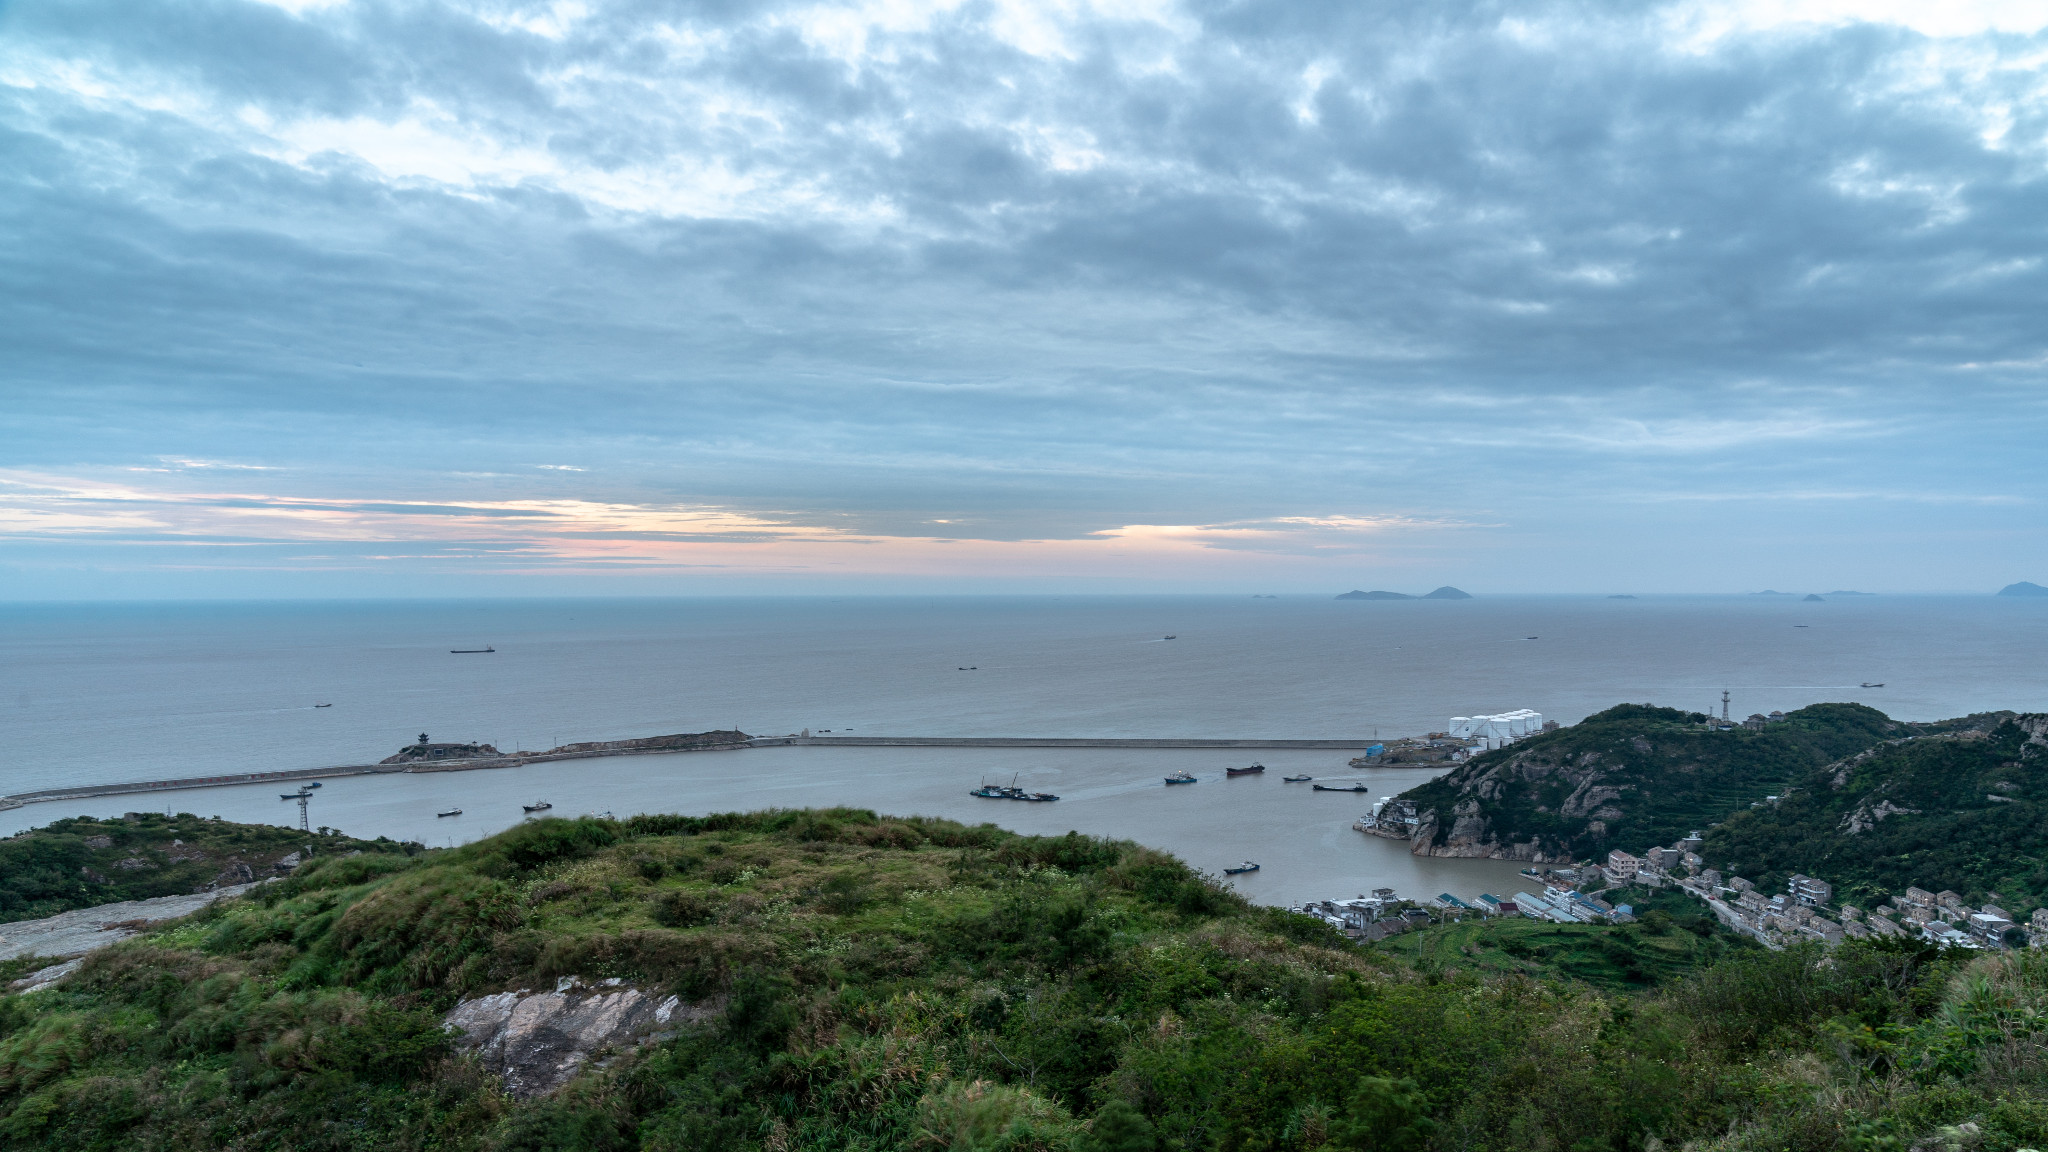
(1302, 838)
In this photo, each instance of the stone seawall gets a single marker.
(651, 746)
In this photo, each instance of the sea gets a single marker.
(95, 693)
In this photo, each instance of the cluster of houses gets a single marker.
(1369, 917)
(1806, 909)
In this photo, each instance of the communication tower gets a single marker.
(1724, 706)
(303, 797)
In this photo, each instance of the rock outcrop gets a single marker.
(423, 753)
(89, 929)
(536, 1041)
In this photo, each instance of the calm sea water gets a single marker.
(101, 693)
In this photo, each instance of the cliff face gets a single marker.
(1628, 777)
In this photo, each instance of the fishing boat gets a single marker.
(1879, 684)
(1247, 866)
(1251, 771)
(539, 807)
(1181, 778)
(1340, 787)
(1297, 779)
(991, 792)
(450, 812)
(470, 652)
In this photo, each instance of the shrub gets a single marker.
(682, 909)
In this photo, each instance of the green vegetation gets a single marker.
(1664, 943)
(1636, 775)
(1974, 795)
(915, 984)
(86, 862)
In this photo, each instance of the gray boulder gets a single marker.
(536, 1041)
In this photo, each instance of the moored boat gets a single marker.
(450, 812)
(1039, 797)
(1297, 779)
(1247, 866)
(1340, 787)
(1181, 778)
(540, 807)
(991, 792)
(299, 795)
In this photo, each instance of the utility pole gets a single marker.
(1724, 706)
(302, 811)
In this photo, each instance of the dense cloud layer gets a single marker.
(1345, 286)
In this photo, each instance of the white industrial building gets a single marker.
(1496, 731)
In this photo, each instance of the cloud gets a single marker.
(1010, 272)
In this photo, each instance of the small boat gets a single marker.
(310, 784)
(1531, 637)
(323, 705)
(1039, 797)
(450, 812)
(1340, 788)
(991, 792)
(470, 652)
(1297, 779)
(1879, 684)
(1247, 866)
(963, 668)
(1251, 771)
(1181, 778)
(1169, 637)
(299, 795)
(539, 807)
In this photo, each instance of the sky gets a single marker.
(594, 297)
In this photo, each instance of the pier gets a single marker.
(626, 748)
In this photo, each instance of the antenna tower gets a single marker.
(302, 811)
(1724, 706)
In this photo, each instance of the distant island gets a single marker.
(1444, 593)
(2023, 588)
(1621, 596)
(1811, 596)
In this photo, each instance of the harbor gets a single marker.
(1302, 840)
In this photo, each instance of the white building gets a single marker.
(1497, 730)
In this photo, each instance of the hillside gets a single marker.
(85, 862)
(837, 980)
(1629, 777)
(1964, 808)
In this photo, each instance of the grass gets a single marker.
(1617, 957)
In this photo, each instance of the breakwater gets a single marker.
(658, 745)
(1047, 742)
